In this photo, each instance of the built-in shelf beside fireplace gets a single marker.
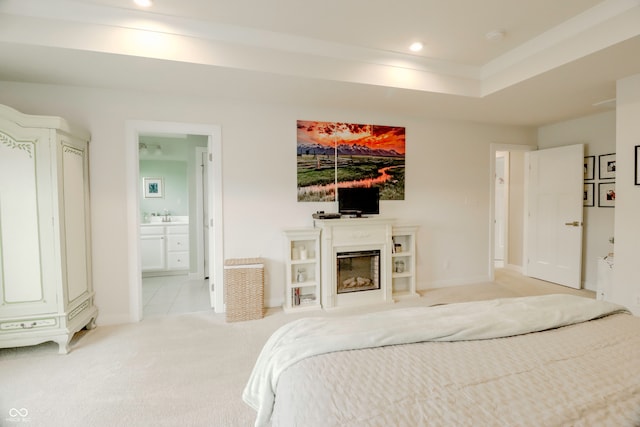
(404, 261)
(302, 278)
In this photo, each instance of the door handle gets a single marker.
(573, 223)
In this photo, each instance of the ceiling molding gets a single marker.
(562, 45)
(575, 64)
(121, 31)
(74, 12)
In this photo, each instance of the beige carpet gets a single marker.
(182, 370)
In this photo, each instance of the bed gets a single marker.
(553, 360)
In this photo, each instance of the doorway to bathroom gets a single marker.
(176, 220)
(172, 250)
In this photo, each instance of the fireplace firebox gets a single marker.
(357, 271)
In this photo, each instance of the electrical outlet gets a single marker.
(638, 299)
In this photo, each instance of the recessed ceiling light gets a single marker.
(416, 47)
(495, 36)
(143, 3)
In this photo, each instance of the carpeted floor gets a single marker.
(180, 370)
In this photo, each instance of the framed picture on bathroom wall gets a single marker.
(153, 188)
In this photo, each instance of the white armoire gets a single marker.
(45, 249)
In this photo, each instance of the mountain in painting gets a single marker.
(345, 150)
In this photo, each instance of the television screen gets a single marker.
(359, 201)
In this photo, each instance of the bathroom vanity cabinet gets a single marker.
(164, 248)
(46, 292)
(153, 248)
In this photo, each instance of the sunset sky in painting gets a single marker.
(373, 136)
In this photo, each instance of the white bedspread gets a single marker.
(455, 322)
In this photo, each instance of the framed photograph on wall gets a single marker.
(607, 164)
(153, 188)
(637, 155)
(589, 168)
(587, 199)
(606, 194)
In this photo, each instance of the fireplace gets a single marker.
(355, 261)
(357, 271)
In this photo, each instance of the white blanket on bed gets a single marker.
(455, 322)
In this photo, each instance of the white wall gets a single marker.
(626, 273)
(598, 133)
(447, 180)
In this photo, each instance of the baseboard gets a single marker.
(146, 274)
(513, 267)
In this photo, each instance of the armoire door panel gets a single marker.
(24, 196)
(74, 221)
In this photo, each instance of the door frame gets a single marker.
(504, 208)
(214, 133)
(200, 256)
(493, 149)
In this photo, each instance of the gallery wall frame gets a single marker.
(637, 164)
(606, 194)
(607, 166)
(588, 199)
(589, 168)
(153, 188)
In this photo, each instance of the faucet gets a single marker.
(166, 218)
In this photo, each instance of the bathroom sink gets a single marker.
(160, 220)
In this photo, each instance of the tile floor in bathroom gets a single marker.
(167, 295)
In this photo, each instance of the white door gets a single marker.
(205, 215)
(204, 219)
(553, 219)
(208, 229)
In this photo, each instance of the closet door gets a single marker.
(28, 272)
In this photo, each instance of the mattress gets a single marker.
(583, 372)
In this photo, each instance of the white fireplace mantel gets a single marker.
(355, 234)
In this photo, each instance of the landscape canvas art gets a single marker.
(333, 155)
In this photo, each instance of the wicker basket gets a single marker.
(244, 289)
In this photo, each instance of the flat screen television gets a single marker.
(358, 201)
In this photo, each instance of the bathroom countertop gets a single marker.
(155, 224)
(157, 220)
